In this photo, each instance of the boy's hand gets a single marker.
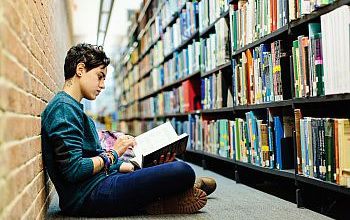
(165, 159)
(123, 143)
(126, 167)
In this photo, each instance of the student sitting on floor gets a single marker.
(91, 181)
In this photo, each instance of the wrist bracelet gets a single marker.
(107, 162)
(115, 155)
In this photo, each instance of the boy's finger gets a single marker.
(173, 157)
(168, 156)
(130, 142)
(161, 159)
(131, 137)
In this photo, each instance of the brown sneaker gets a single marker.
(188, 202)
(207, 184)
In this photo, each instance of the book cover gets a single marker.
(278, 131)
(297, 114)
(329, 147)
(156, 142)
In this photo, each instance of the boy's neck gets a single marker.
(72, 89)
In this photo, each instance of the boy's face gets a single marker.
(92, 82)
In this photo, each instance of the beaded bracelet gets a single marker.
(106, 160)
(115, 155)
(111, 157)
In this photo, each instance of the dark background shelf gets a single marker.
(173, 19)
(143, 11)
(284, 173)
(179, 114)
(264, 105)
(212, 26)
(316, 14)
(150, 47)
(323, 184)
(221, 67)
(163, 88)
(327, 98)
(180, 47)
(265, 39)
(220, 110)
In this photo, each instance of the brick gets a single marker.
(2, 66)
(20, 153)
(36, 33)
(16, 73)
(9, 97)
(31, 46)
(29, 20)
(39, 199)
(21, 27)
(15, 184)
(38, 89)
(36, 71)
(4, 168)
(17, 101)
(42, 212)
(33, 9)
(40, 14)
(27, 196)
(4, 192)
(29, 214)
(13, 45)
(33, 42)
(40, 202)
(24, 36)
(25, 126)
(11, 15)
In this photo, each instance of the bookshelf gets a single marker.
(277, 104)
(323, 99)
(325, 185)
(221, 76)
(221, 67)
(212, 26)
(221, 110)
(269, 37)
(316, 14)
(143, 11)
(181, 46)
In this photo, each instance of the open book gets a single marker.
(156, 142)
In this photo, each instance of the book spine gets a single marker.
(297, 114)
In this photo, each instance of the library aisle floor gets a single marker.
(229, 201)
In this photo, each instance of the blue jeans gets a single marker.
(130, 193)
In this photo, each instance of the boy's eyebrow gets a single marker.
(104, 75)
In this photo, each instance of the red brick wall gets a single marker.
(34, 37)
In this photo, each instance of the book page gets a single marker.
(176, 139)
(138, 157)
(155, 138)
(178, 146)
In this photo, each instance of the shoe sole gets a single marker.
(203, 186)
(186, 203)
(207, 189)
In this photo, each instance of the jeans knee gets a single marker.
(184, 172)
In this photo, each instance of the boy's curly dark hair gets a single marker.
(91, 55)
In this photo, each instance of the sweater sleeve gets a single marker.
(66, 133)
(116, 166)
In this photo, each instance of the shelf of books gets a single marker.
(253, 82)
(288, 173)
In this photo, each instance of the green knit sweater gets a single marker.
(69, 140)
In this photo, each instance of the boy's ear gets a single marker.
(80, 69)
